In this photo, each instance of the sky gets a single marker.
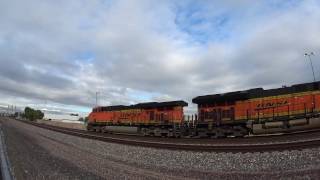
(58, 54)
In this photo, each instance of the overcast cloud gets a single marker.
(60, 53)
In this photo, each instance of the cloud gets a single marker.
(64, 52)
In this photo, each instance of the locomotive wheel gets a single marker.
(218, 133)
(98, 129)
(104, 130)
(239, 131)
(144, 132)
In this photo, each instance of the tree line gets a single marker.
(32, 114)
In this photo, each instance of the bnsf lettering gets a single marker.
(127, 114)
(271, 104)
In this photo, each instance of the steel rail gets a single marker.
(282, 146)
(262, 136)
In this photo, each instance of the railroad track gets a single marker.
(208, 147)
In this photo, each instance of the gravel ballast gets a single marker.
(37, 153)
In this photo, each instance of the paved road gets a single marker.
(36, 153)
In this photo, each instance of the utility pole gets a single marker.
(97, 98)
(309, 57)
(314, 78)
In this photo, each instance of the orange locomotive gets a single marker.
(160, 119)
(237, 114)
(259, 111)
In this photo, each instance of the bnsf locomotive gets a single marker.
(154, 118)
(253, 111)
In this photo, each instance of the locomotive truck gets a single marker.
(239, 113)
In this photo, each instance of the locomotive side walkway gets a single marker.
(37, 153)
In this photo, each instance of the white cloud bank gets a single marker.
(63, 52)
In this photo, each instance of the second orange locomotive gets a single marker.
(259, 111)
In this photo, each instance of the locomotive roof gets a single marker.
(144, 105)
(255, 93)
(161, 104)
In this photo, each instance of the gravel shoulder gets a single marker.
(30, 160)
(37, 153)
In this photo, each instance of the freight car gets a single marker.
(259, 111)
(152, 119)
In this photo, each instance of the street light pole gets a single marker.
(309, 56)
(97, 98)
(314, 79)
